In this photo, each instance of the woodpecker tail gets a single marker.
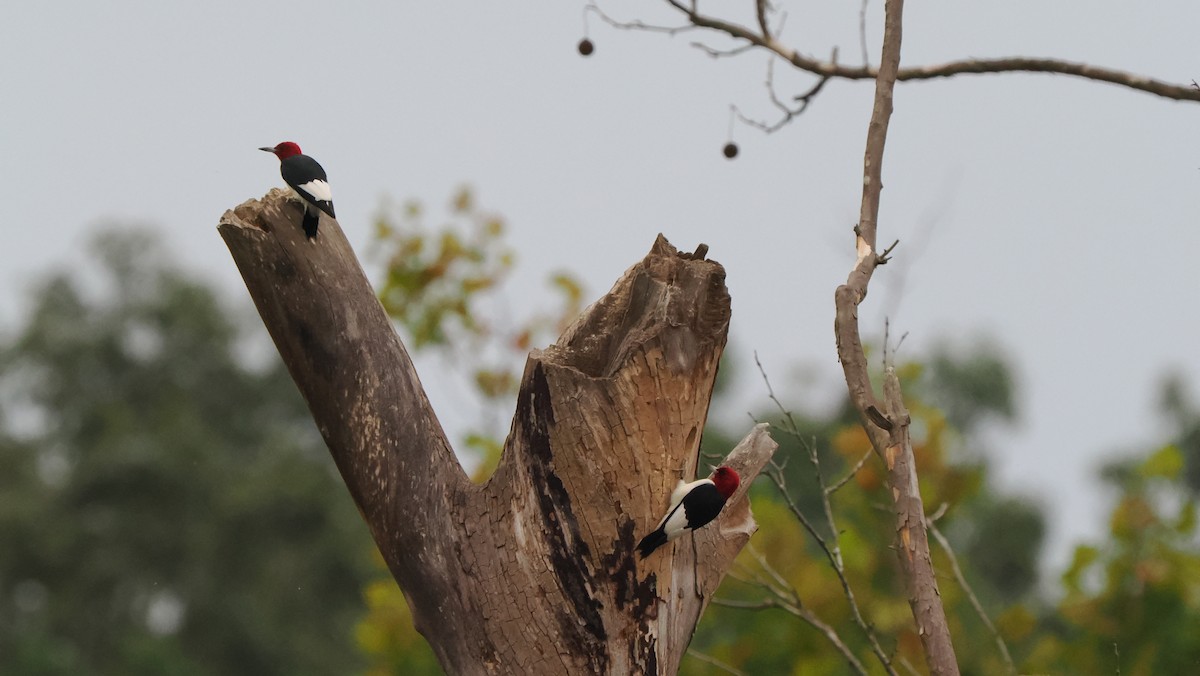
(652, 542)
(311, 218)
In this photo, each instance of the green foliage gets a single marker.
(1132, 602)
(386, 634)
(434, 280)
(165, 506)
(971, 385)
(438, 282)
(1183, 416)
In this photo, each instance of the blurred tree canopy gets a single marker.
(166, 504)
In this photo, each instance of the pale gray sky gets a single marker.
(1054, 215)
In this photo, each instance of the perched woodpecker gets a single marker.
(692, 506)
(307, 180)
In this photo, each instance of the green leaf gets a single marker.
(1165, 463)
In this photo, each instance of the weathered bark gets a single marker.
(889, 433)
(534, 571)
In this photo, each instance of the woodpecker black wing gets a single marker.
(307, 178)
(699, 504)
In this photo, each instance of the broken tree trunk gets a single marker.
(533, 572)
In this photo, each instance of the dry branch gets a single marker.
(891, 440)
(533, 572)
(1001, 646)
(832, 69)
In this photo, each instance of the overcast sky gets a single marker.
(1053, 215)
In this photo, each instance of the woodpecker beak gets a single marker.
(269, 150)
(711, 468)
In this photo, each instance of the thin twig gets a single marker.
(639, 25)
(789, 112)
(830, 547)
(850, 475)
(745, 605)
(962, 582)
(770, 570)
(941, 511)
(715, 662)
(721, 53)
(776, 584)
(908, 666)
(886, 256)
(887, 330)
(806, 615)
(787, 599)
(950, 69)
(889, 352)
(761, 13)
(862, 33)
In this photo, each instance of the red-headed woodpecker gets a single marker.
(307, 180)
(692, 506)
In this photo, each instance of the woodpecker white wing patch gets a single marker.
(318, 189)
(681, 490)
(675, 523)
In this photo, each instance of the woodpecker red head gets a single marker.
(307, 180)
(692, 505)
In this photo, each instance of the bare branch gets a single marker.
(746, 605)
(692, 652)
(937, 516)
(831, 547)
(887, 254)
(849, 475)
(789, 112)
(950, 69)
(761, 7)
(962, 582)
(806, 615)
(893, 443)
(832, 636)
(637, 24)
(912, 671)
(721, 53)
(862, 33)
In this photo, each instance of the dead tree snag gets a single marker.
(533, 572)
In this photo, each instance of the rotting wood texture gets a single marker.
(533, 572)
